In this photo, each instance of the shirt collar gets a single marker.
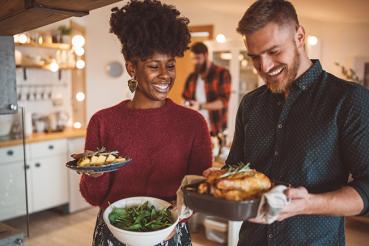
(310, 76)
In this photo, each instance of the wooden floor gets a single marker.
(57, 229)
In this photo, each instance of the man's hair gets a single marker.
(199, 48)
(149, 26)
(262, 12)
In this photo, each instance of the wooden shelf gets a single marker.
(58, 46)
(46, 67)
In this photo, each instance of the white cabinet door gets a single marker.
(76, 201)
(49, 182)
(12, 190)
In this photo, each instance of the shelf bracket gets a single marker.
(24, 73)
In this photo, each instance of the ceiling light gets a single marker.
(312, 40)
(220, 38)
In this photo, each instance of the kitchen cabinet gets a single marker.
(76, 201)
(8, 92)
(12, 184)
(48, 180)
(47, 177)
(22, 15)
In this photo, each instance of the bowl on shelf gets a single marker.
(133, 238)
(6, 122)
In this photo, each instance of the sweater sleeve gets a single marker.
(94, 190)
(200, 155)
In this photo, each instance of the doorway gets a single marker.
(184, 64)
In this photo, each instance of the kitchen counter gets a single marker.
(39, 137)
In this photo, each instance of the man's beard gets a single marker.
(285, 83)
(201, 68)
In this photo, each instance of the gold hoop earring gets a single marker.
(132, 84)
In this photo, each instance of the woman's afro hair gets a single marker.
(145, 27)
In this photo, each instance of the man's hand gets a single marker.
(300, 200)
(194, 105)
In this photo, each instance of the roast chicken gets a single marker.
(235, 183)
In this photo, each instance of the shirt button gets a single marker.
(303, 87)
(270, 235)
(276, 153)
(279, 103)
(280, 126)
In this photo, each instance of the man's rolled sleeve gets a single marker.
(354, 125)
(225, 88)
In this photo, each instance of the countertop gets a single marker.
(38, 137)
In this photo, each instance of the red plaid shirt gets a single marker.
(217, 86)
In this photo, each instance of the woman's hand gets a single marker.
(171, 234)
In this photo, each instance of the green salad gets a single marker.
(141, 218)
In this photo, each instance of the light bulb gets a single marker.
(80, 64)
(220, 38)
(78, 41)
(80, 96)
(22, 38)
(53, 66)
(312, 40)
(79, 51)
(77, 125)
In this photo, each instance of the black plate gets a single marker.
(208, 204)
(98, 169)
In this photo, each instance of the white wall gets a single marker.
(102, 47)
(340, 42)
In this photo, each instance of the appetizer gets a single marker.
(97, 158)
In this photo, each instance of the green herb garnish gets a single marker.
(233, 169)
(142, 218)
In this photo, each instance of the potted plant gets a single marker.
(65, 33)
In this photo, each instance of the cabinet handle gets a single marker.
(51, 146)
(19, 241)
(38, 164)
(10, 152)
(27, 166)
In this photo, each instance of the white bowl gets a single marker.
(6, 122)
(132, 238)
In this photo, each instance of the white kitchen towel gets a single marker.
(183, 211)
(271, 204)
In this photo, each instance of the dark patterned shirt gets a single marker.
(217, 86)
(315, 138)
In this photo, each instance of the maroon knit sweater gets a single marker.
(165, 144)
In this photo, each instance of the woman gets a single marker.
(166, 141)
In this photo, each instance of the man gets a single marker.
(208, 89)
(304, 127)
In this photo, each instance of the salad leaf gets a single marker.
(141, 218)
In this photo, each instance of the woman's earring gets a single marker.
(132, 84)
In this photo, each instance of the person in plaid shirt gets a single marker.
(208, 89)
